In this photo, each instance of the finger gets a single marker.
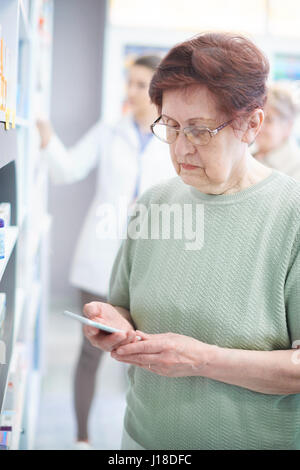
(103, 340)
(130, 337)
(141, 360)
(98, 340)
(93, 331)
(140, 347)
(143, 335)
(90, 331)
(93, 309)
(113, 340)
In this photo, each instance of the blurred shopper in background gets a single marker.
(275, 145)
(129, 161)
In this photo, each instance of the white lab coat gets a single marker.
(115, 150)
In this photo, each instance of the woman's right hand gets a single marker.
(45, 131)
(108, 315)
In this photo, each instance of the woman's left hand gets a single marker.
(167, 354)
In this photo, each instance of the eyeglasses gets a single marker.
(197, 135)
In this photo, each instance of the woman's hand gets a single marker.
(45, 131)
(108, 315)
(167, 354)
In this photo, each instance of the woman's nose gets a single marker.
(183, 146)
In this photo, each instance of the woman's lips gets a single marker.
(188, 167)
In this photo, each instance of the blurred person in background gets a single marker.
(275, 145)
(129, 160)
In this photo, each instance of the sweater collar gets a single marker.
(235, 197)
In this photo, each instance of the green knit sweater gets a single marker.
(240, 290)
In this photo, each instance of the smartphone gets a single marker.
(95, 324)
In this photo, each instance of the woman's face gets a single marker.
(215, 165)
(138, 82)
(275, 130)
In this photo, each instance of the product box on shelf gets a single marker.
(5, 438)
(5, 213)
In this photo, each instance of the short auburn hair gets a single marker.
(233, 69)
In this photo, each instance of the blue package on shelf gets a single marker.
(5, 213)
(4, 440)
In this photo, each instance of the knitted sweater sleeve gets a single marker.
(118, 293)
(292, 293)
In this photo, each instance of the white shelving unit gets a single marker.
(26, 30)
(11, 236)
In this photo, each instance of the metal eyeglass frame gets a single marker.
(212, 132)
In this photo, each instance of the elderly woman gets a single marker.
(275, 146)
(217, 365)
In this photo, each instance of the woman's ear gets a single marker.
(254, 125)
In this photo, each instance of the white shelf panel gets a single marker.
(33, 407)
(17, 427)
(22, 218)
(19, 121)
(39, 232)
(25, 31)
(11, 235)
(18, 374)
(22, 122)
(2, 303)
(20, 301)
(35, 293)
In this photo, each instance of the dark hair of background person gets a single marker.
(150, 61)
(233, 69)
